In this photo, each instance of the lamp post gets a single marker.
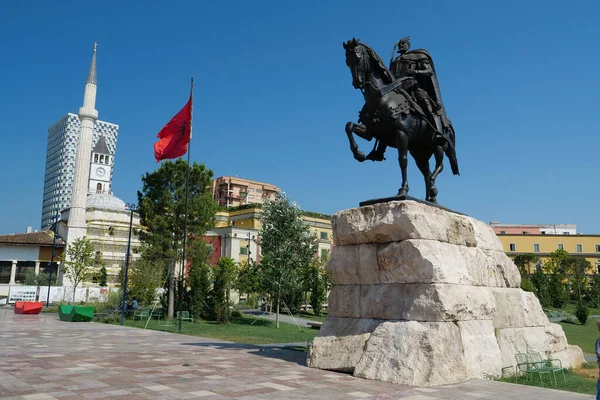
(52, 258)
(130, 207)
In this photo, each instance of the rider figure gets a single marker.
(415, 68)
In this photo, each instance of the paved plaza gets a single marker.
(42, 358)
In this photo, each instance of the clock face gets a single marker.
(100, 171)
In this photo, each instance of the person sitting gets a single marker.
(134, 304)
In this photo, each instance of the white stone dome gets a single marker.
(104, 201)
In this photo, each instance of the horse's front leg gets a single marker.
(361, 131)
(402, 145)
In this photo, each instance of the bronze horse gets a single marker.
(388, 117)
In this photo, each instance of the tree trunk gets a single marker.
(74, 291)
(171, 304)
(278, 301)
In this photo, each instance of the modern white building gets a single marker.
(60, 162)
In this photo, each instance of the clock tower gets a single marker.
(100, 168)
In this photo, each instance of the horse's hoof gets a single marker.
(433, 192)
(359, 156)
(432, 200)
(402, 192)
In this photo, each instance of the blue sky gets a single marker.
(519, 80)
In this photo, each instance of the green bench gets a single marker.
(70, 313)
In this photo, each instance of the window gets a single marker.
(258, 190)
(101, 159)
(95, 157)
(250, 190)
(324, 253)
(560, 246)
(598, 266)
(243, 250)
(565, 233)
(598, 248)
(536, 247)
(323, 235)
(512, 247)
(525, 232)
(250, 196)
(503, 232)
(107, 160)
(99, 188)
(579, 248)
(111, 231)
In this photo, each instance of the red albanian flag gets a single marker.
(175, 135)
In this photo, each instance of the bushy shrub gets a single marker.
(582, 313)
(236, 314)
(527, 285)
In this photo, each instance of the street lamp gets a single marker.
(132, 208)
(52, 258)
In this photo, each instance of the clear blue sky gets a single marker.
(519, 80)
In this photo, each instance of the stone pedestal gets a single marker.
(424, 297)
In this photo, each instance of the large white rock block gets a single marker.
(400, 220)
(421, 261)
(414, 353)
(440, 302)
(545, 340)
(571, 357)
(482, 354)
(340, 343)
(516, 308)
(344, 301)
(354, 264)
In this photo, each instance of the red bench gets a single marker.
(28, 307)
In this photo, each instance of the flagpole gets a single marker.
(187, 185)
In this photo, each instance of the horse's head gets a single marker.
(357, 61)
(365, 65)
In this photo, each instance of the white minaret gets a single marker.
(87, 115)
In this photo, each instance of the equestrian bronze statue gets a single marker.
(403, 109)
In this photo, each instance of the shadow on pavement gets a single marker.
(268, 351)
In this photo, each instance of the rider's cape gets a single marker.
(428, 83)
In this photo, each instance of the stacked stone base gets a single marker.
(427, 297)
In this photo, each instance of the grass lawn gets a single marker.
(570, 309)
(580, 381)
(583, 336)
(309, 315)
(239, 330)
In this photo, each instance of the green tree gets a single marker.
(199, 280)
(526, 263)
(145, 277)
(540, 283)
(162, 213)
(78, 260)
(30, 279)
(249, 278)
(557, 266)
(100, 274)
(287, 249)
(577, 276)
(102, 277)
(593, 295)
(224, 273)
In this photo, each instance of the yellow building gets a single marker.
(237, 233)
(542, 245)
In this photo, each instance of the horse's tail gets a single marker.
(451, 150)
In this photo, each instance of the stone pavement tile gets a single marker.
(276, 386)
(38, 396)
(359, 395)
